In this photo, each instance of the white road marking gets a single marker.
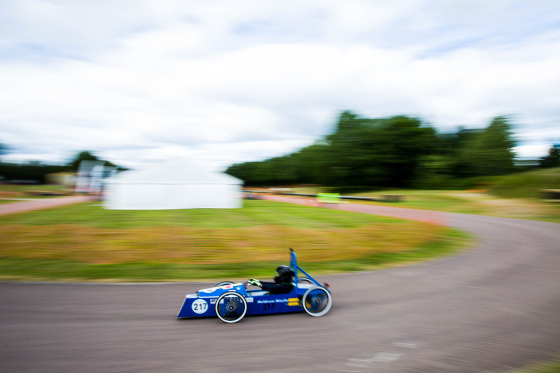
(406, 345)
(382, 357)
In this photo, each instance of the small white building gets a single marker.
(90, 176)
(175, 184)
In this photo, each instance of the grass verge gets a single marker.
(552, 366)
(84, 242)
(450, 241)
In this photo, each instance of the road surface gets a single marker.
(493, 308)
(37, 204)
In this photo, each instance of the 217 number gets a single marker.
(199, 306)
(268, 306)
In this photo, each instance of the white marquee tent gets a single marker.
(175, 184)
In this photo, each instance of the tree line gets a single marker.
(399, 151)
(36, 172)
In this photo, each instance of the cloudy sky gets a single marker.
(232, 81)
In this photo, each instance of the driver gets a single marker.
(282, 281)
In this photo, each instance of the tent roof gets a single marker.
(176, 171)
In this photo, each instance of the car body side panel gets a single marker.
(273, 304)
(202, 304)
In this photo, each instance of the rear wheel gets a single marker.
(231, 307)
(317, 301)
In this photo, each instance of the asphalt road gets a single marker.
(493, 308)
(37, 204)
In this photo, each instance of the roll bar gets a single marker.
(295, 267)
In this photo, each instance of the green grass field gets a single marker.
(467, 202)
(527, 184)
(479, 202)
(87, 242)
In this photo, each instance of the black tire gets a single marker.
(231, 307)
(224, 283)
(317, 301)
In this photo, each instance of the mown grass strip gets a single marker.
(253, 213)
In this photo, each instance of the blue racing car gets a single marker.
(232, 301)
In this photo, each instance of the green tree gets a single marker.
(553, 158)
(343, 158)
(489, 152)
(311, 163)
(82, 156)
(74, 164)
(388, 152)
(405, 141)
(378, 152)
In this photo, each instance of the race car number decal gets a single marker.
(268, 306)
(199, 306)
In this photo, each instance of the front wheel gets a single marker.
(231, 307)
(317, 301)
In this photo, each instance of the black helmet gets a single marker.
(285, 274)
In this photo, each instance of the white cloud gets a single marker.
(143, 80)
